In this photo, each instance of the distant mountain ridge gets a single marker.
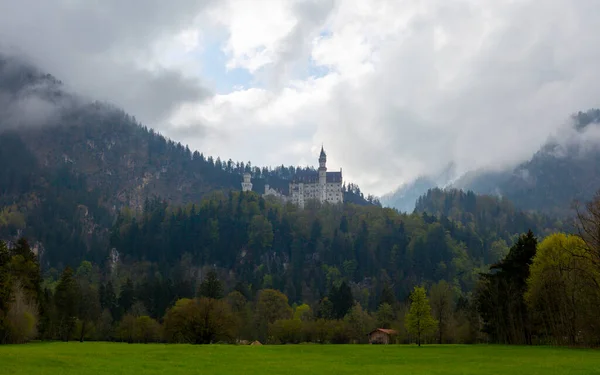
(69, 164)
(563, 170)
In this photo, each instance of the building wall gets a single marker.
(327, 192)
(379, 337)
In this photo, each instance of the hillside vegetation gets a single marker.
(69, 169)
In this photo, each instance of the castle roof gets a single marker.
(306, 177)
(323, 155)
(334, 176)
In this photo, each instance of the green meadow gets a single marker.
(115, 358)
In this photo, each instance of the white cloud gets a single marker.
(405, 86)
(131, 53)
(414, 85)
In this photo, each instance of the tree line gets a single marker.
(79, 306)
(538, 291)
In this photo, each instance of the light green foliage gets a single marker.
(563, 290)
(147, 330)
(273, 305)
(286, 331)
(303, 312)
(419, 321)
(442, 302)
(11, 217)
(22, 317)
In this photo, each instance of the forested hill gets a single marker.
(69, 165)
(488, 213)
(261, 244)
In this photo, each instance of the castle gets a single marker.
(306, 185)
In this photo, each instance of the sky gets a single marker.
(392, 89)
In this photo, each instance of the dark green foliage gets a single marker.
(211, 286)
(500, 295)
(494, 218)
(126, 297)
(66, 300)
(304, 253)
(387, 295)
(341, 300)
(108, 299)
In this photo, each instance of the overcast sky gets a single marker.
(393, 89)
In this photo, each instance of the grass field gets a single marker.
(112, 358)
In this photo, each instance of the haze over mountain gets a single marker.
(394, 89)
(565, 169)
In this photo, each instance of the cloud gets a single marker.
(129, 53)
(395, 89)
(28, 103)
(411, 86)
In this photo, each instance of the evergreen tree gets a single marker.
(387, 295)
(419, 320)
(211, 286)
(66, 300)
(126, 297)
(108, 299)
(500, 294)
(341, 299)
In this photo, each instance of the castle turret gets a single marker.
(247, 184)
(322, 175)
(322, 160)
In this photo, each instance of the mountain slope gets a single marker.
(565, 169)
(562, 171)
(69, 164)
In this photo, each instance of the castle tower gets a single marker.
(323, 175)
(247, 184)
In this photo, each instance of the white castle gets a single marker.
(319, 185)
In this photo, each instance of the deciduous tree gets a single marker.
(419, 321)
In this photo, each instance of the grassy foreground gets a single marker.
(112, 358)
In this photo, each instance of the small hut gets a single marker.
(382, 336)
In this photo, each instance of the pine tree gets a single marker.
(387, 295)
(66, 302)
(126, 297)
(211, 286)
(342, 300)
(419, 320)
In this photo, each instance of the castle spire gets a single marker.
(322, 160)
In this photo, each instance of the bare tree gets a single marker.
(588, 227)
